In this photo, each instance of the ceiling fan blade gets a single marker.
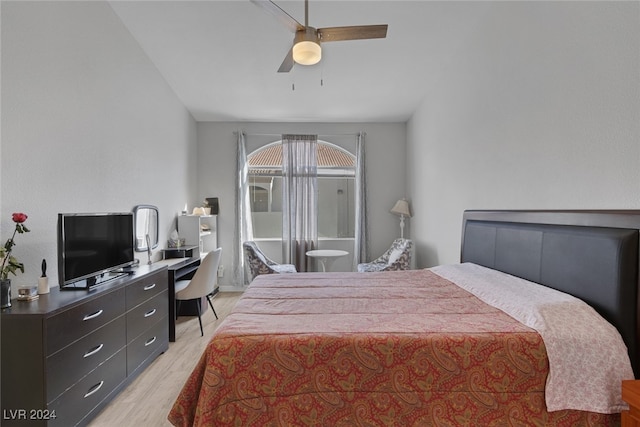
(282, 16)
(333, 34)
(287, 64)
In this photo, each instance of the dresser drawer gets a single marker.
(141, 348)
(146, 288)
(146, 314)
(85, 395)
(68, 326)
(72, 363)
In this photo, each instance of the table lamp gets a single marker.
(401, 208)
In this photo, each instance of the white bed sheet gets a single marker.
(587, 357)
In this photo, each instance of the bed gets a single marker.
(435, 346)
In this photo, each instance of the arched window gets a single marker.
(336, 191)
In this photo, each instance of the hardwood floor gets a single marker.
(147, 400)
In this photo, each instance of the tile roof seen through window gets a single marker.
(329, 156)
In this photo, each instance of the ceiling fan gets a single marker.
(306, 48)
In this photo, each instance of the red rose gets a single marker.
(19, 218)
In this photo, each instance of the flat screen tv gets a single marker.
(93, 245)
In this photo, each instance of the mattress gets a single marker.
(403, 348)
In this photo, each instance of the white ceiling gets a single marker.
(221, 57)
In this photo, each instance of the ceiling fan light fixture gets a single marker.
(306, 48)
(307, 53)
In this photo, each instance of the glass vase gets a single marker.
(5, 293)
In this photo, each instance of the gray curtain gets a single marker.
(299, 199)
(244, 228)
(361, 241)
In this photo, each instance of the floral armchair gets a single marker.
(397, 257)
(260, 264)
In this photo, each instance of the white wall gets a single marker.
(385, 162)
(539, 107)
(88, 125)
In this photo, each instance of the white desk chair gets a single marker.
(202, 283)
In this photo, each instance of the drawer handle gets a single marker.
(94, 389)
(150, 313)
(94, 351)
(149, 287)
(93, 316)
(150, 341)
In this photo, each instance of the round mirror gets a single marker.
(146, 227)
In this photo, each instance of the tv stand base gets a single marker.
(91, 282)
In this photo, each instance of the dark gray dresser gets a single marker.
(67, 354)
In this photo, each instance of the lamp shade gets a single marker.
(401, 208)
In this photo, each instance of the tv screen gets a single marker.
(90, 245)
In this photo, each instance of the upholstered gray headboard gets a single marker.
(593, 255)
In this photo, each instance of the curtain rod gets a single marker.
(279, 135)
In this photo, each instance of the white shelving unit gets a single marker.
(199, 230)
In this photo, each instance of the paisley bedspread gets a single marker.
(404, 348)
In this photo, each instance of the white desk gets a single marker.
(326, 256)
